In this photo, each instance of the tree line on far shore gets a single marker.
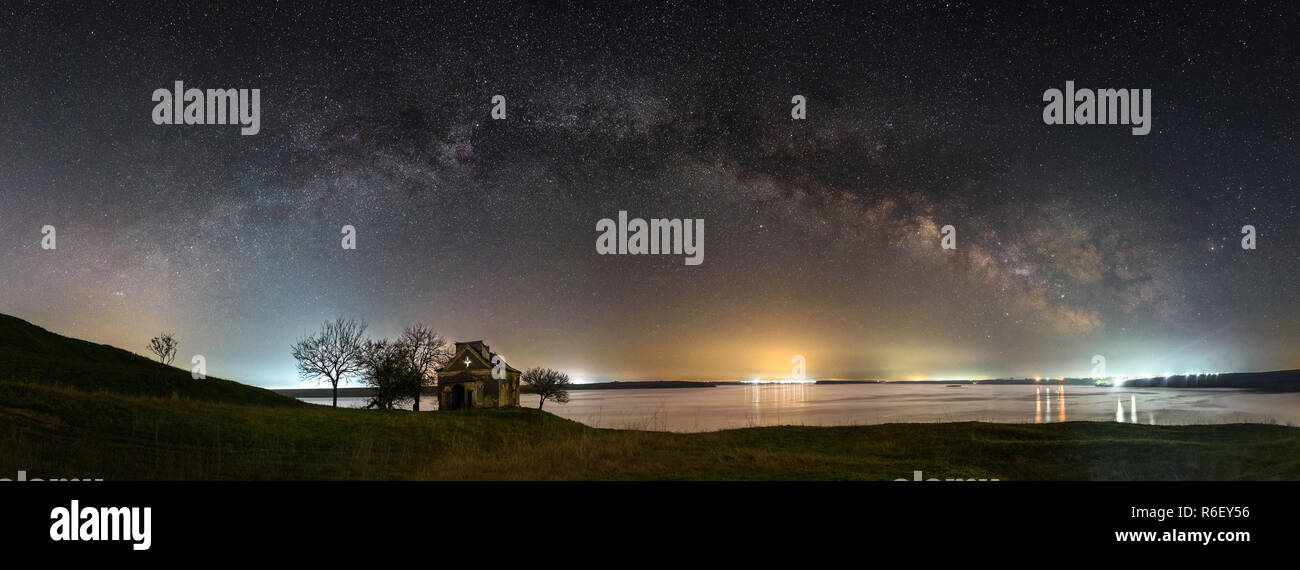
(398, 369)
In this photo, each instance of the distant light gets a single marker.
(778, 381)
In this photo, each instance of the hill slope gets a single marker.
(31, 354)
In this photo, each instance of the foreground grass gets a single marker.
(61, 432)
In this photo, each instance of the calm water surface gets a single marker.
(729, 407)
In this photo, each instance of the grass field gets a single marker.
(70, 409)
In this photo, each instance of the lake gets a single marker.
(729, 407)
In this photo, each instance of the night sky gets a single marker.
(822, 235)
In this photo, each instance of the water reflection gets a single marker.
(1043, 400)
(1132, 410)
(1038, 404)
(783, 393)
(776, 398)
(728, 407)
(1061, 394)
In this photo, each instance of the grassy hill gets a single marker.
(31, 354)
(72, 409)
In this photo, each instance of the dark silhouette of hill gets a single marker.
(31, 354)
(1271, 381)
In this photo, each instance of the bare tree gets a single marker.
(547, 383)
(332, 354)
(163, 348)
(426, 351)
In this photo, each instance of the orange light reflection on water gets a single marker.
(1044, 403)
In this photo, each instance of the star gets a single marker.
(821, 233)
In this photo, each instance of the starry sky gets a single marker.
(822, 235)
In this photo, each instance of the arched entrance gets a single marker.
(457, 397)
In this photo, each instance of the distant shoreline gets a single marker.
(1278, 381)
(362, 392)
